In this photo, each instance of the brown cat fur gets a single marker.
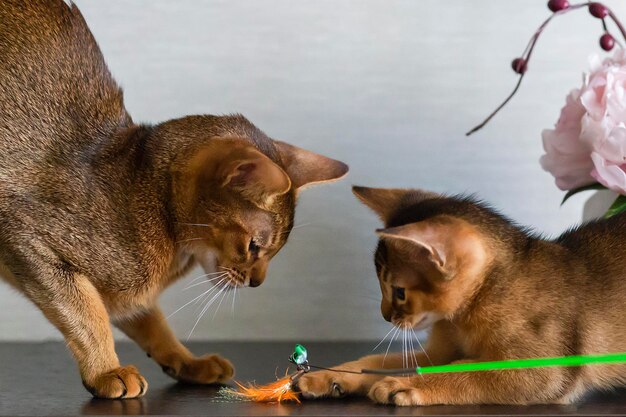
(98, 214)
(491, 291)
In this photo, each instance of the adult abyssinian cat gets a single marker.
(491, 291)
(99, 214)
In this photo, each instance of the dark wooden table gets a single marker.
(41, 379)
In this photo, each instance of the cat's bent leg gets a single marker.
(73, 305)
(152, 333)
(529, 386)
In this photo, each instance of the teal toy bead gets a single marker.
(299, 355)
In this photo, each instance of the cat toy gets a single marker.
(283, 389)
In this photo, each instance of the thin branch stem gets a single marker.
(529, 50)
(617, 23)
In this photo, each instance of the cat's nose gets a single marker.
(257, 274)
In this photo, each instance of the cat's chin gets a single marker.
(428, 320)
(207, 260)
(210, 264)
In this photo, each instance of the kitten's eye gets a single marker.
(253, 248)
(399, 293)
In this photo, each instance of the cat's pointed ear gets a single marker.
(427, 239)
(254, 175)
(383, 201)
(236, 165)
(306, 168)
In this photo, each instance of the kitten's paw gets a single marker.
(395, 391)
(328, 384)
(123, 382)
(208, 369)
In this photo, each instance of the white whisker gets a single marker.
(216, 287)
(219, 304)
(395, 334)
(205, 275)
(404, 348)
(381, 342)
(206, 307)
(418, 342)
(421, 347)
(404, 355)
(185, 305)
(195, 224)
(203, 282)
(215, 297)
(190, 239)
(412, 351)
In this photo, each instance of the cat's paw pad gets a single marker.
(208, 369)
(123, 382)
(395, 391)
(322, 384)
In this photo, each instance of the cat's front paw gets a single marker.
(329, 384)
(123, 382)
(208, 369)
(396, 391)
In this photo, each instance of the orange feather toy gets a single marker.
(275, 392)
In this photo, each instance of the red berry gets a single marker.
(558, 5)
(598, 10)
(519, 65)
(607, 42)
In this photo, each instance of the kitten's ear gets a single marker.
(427, 239)
(253, 174)
(307, 168)
(450, 245)
(386, 201)
(383, 201)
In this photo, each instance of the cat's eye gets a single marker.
(398, 293)
(253, 248)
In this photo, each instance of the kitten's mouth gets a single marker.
(420, 324)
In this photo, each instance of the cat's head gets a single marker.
(432, 253)
(236, 190)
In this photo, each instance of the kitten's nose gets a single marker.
(255, 282)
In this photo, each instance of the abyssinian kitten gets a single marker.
(490, 290)
(99, 214)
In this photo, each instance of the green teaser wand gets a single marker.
(284, 389)
(299, 357)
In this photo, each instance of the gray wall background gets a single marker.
(388, 86)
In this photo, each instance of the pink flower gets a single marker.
(588, 143)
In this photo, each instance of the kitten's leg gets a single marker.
(74, 306)
(151, 331)
(528, 386)
(441, 349)
(339, 384)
